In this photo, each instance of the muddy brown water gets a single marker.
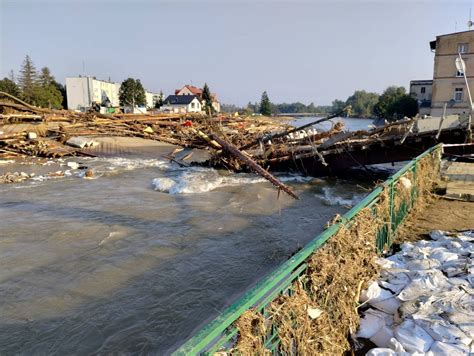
(110, 265)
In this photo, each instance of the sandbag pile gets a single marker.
(423, 303)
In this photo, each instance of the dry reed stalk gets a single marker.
(252, 331)
(334, 277)
(427, 177)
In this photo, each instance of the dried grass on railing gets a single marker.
(252, 332)
(403, 191)
(332, 284)
(335, 275)
(427, 177)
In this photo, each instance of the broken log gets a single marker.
(241, 155)
(287, 132)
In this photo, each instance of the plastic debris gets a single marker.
(314, 313)
(73, 165)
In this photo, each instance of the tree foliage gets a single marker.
(265, 105)
(40, 89)
(47, 92)
(132, 93)
(404, 105)
(337, 105)
(48, 96)
(28, 80)
(62, 90)
(44, 77)
(9, 86)
(161, 100)
(362, 103)
(394, 104)
(207, 98)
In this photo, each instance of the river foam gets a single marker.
(201, 180)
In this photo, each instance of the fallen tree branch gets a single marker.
(253, 165)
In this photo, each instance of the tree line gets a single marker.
(393, 104)
(38, 88)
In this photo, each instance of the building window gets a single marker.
(459, 73)
(463, 48)
(422, 90)
(458, 94)
(192, 105)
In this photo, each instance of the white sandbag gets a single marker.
(443, 255)
(412, 337)
(394, 288)
(395, 345)
(470, 279)
(441, 330)
(464, 322)
(408, 308)
(441, 348)
(382, 337)
(437, 235)
(454, 246)
(381, 352)
(424, 283)
(398, 261)
(370, 324)
(426, 263)
(389, 306)
(458, 281)
(374, 293)
(387, 318)
(384, 263)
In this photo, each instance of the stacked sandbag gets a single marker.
(423, 303)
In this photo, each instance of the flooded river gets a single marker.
(137, 258)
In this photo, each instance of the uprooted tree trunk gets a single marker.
(244, 158)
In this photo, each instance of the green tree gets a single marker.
(44, 77)
(404, 105)
(337, 105)
(265, 105)
(48, 96)
(391, 94)
(161, 100)
(132, 93)
(207, 98)
(12, 76)
(62, 90)
(9, 86)
(28, 80)
(48, 92)
(362, 103)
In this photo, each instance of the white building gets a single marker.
(83, 92)
(181, 104)
(192, 90)
(422, 91)
(151, 99)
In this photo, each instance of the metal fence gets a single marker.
(221, 333)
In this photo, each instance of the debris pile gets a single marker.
(424, 299)
(256, 144)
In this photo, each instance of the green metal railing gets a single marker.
(221, 334)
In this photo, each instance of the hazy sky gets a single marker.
(309, 51)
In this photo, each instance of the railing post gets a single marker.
(391, 214)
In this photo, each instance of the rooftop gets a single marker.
(179, 99)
